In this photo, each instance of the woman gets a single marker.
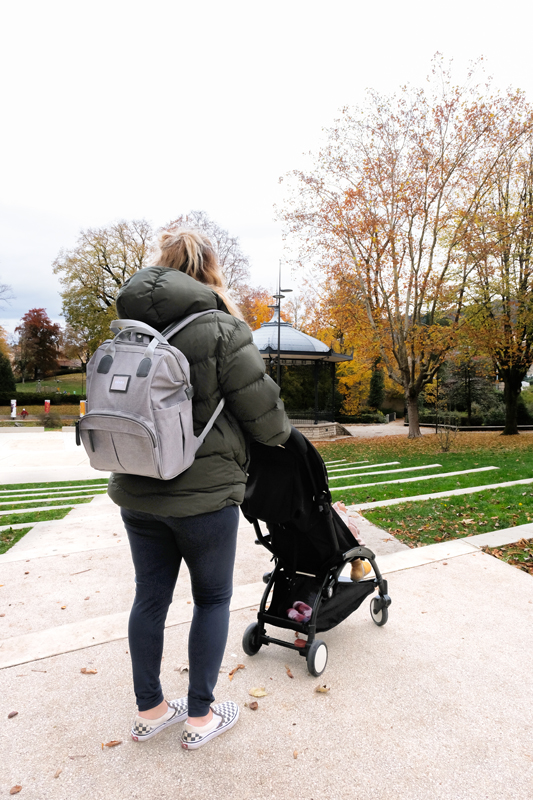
(195, 515)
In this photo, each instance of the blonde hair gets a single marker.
(191, 252)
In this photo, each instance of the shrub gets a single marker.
(34, 398)
(50, 420)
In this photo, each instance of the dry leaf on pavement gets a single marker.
(182, 668)
(12, 714)
(58, 772)
(289, 673)
(234, 670)
(295, 754)
(113, 743)
(258, 692)
(15, 789)
(86, 671)
(322, 689)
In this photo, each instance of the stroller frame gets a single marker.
(325, 589)
(256, 636)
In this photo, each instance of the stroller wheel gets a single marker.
(251, 644)
(317, 658)
(379, 613)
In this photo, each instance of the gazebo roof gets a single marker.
(294, 344)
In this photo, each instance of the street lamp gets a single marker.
(279, 297)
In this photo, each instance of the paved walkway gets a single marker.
(396, 428)
(436, 704)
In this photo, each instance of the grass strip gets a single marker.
(10, 537)
(519, 554)
(32, 498)
(442, 519)
(46, 503)
(35, 516)
(13, 487)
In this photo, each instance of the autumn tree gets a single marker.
(234, 263)
(5, 348)
(37, 347)
(94, 270)
(387, 208)
(255, 305)
(501, 248)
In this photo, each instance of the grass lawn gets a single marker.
(15, 487)
(51, 498)
(430, 521)
(67, 383)
(446, 518)
(64, 409)
(42, 502)
(34, 516)
(43, 495)
(11, 537)
(519, 554)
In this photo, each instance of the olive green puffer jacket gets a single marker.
(224, 361)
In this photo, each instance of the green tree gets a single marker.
(7, 379)
(376, 394)
(95, 269)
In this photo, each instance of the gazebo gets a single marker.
(296, 348)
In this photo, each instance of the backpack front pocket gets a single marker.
(118, 444)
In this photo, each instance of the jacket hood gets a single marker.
(160, 295)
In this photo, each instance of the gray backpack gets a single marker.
(140, 403)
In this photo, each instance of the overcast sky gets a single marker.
(120, 110)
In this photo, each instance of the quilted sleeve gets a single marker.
(251, 395)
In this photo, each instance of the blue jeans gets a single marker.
(207, 542)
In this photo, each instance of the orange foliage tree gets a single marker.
(387, 208)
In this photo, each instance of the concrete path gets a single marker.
(435, 704)
(396, 428)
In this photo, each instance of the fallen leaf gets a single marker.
(2, 615)
(113, 743)
(258, 692)
(38, 670)
(295, 754)
(322, 689)
(63, 606)
(182, 668)
(86, 671)
(188, 602)
(15, 789)
(444, 563)
(289, 673)
(234, 670)
(87, 598)
(57, 773)
(79, 756)
(253, 706)
(12, 714)
(26, 573)
(81, 570)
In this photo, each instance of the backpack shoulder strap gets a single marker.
(170, 331)
(174, 327)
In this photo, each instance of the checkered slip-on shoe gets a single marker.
(146, 728)
(226, 715)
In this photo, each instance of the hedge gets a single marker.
(34, 398)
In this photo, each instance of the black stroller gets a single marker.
(288, 490)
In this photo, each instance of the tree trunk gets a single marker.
(512, 388)
(412, 410)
